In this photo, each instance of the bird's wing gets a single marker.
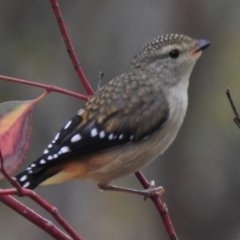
(117, 114)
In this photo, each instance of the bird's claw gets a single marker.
(153, 191)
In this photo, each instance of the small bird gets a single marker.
(127, 123)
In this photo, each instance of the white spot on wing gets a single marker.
(55, 155)
(50, 146)
(110, 137)
(64, 149)
(26, 184)
(56, 137)
(102, 134)
(33, 165)
(76, 138)
(68, 124)
(49, 157)
(45, 151)
(94, 132)
(23, 178)
(29, 168)
(42, 161)
(121, 136)
(131, 138)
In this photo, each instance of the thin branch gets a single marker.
(19, 191)
(69, 46)
(161, 207)
(49, 88)
(33, 217)
(49, 208)
(12, 181)
(236, 118)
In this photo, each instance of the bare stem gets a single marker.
(49, 88)
(33, 217)
(12, 181)
(69, 46)
(18, 190)
(236, 118)
(161, 207)
(49, 208)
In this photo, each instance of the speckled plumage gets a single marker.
(127, 103)
(127, 123)
(150, 48)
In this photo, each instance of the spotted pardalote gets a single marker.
(127, 123)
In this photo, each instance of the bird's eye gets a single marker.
(174, 53)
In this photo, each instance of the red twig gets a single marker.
(49, 208)
(49, 88)
(33, 217)
(13, 182)
(35, 197)
(69, 46)
(161, 207)
(236, 118)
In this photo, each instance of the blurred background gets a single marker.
(200, 171)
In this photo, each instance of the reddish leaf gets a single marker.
(15, 132)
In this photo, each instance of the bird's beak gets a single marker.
(201, 44)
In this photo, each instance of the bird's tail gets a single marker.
(32, 178)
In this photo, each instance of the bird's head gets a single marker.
(172, 56)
